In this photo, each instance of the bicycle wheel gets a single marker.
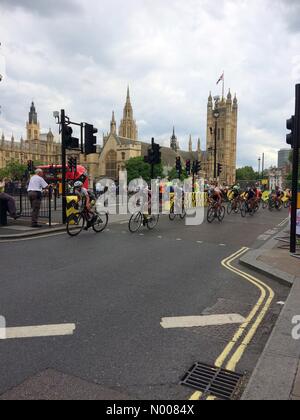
(172, 216)
(75, 224)
(183, 215)
(221, 213)
(244, 209)
(135, 222)
(152, 221)
(237, 207)
(211, 215)
(271, 204)
(230, 208)
(101, 222)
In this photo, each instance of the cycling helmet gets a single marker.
(78, 184)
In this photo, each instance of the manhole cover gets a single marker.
(213, 381)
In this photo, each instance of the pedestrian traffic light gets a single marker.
(72, 164)
(90, 140)
(290, 138)
(220, 169)
(71, 142)
(188, 167)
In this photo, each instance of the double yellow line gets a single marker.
(236, 348)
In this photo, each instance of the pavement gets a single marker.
(116, 288)
(277, 374)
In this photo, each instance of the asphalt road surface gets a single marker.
(116, 287)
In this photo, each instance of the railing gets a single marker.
(23, 204)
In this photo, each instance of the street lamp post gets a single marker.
(216, 117)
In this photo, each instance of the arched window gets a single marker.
(111, 165)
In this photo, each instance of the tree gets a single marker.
(14, 171)
(137, 168)
(173, 174)
(246, 174)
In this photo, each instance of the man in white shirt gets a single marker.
(35, 193)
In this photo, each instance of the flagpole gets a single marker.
(223, 91)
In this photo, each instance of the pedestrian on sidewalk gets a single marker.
(8, 201)
(35, 193)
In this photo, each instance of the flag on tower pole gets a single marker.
(222, 79)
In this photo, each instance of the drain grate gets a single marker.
(213, 381)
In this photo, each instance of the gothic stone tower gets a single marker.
(226, 137)
(128, 127)
(33, 126)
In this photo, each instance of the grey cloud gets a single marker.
(43, 8)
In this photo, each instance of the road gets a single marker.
(116, 288)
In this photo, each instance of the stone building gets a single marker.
(120, 146)
(226, 137)
(41, 148)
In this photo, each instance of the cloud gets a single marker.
(171, 57)
(44, 8)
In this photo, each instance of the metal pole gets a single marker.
(64, 162)
(295, 174)
(215, 151)
(50, 205)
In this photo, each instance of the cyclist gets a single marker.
(216, 193)
(84, 196)
(251, 197)
(279, 194)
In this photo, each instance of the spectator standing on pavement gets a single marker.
(35, 193)
(8, 200)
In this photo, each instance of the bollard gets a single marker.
(3, 213)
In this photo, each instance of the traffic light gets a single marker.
(196, 167)
(220, 169)
(188, 167)
(72, 164)
(178, 165)
(90, 140)
(52, 170)
(71, 142)
(30, 166)
(290, 138)
(156, 154)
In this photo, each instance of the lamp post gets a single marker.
(216, 115)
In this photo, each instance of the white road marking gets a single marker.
(201, 321)
(37, 331)
(34, 238)
(199, 242)
(263, 237)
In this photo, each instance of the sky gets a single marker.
(80, 55)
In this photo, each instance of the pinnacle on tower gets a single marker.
(190, 144)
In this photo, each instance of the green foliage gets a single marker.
(13, 171)
(173, 174)
(246, 174)
(136, 168)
